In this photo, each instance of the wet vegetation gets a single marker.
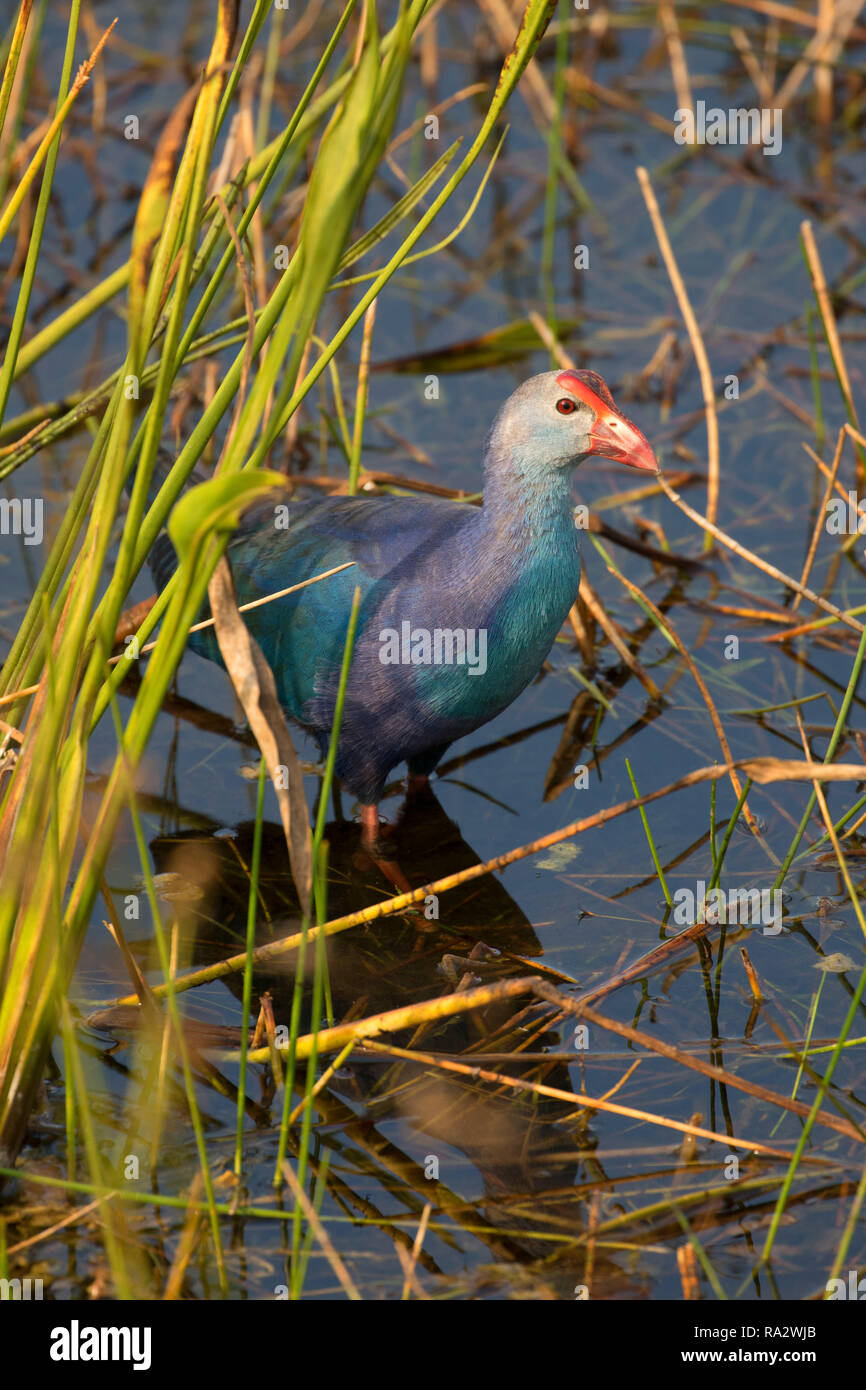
(315, 249)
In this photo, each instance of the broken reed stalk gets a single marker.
(831, 332)
(820, 515)
(723, 1075)
(669, 631)
(758, 562)
(677, 55)
(698, 349)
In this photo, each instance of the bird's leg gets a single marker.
(370, 827)
(371, 842)
(420, 768)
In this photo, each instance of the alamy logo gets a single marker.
(22, 516)
(855, 1288)
(76, 1343)
(14, 1290)
(845, 516)
(443, 646)
(737, 126)
(738, 906)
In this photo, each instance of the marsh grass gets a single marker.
(196, 293)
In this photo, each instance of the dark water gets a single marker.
(520, 1178)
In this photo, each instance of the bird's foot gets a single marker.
(391, 870)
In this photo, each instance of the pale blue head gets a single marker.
(555, 419)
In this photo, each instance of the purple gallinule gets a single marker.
(460, 604)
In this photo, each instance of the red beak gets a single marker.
(616, 438)
(612, 435)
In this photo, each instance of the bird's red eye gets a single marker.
(565, 406)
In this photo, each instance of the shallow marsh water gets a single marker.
(522, 1179)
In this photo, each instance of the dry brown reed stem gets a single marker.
(835, 485)
(792, 407)
(410, 1279)
(580, 1100)
(626, 1076)
(762, 770)
(697, 343)
(16, 444)
(757, 615)
(799, 631)
(687, 1264)
(321, 1235)
(115, 931)
(580, 82)
(132, 618)
(821, 516)
(686, 1059)
(677, 55)
(648, 963)
(597, 609)
(828, 318)
(409, 1261)
(244, 148)
(256, 689)
(78, 1214)
(822, 50)
(551, 342)
(751, 64)
(753, 559)
(100, 85)
(752, 976)
(429, 57)
(438, 110)
(669, 628)
(193, 1226)
(819, 463)
(823, 77)
(790, 13)
(363, 385)
(582, 632)
(828, 823)
(660, 354)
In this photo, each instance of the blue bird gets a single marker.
(460, 605)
